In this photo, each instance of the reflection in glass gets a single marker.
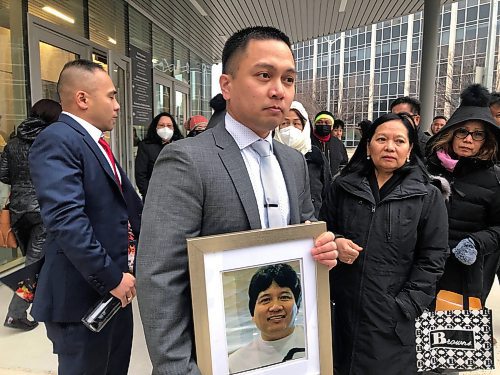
(69, 14)
(162, 98)
(52, 60)
(181, 110)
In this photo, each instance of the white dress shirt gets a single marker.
(244, 137)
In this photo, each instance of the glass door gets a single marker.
(163, 97)
(181, 113)
(181, 109)
(122, 137)
(49, 51)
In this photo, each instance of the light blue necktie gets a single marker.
(267, 173)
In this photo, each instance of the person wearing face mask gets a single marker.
(197, 124)
(333, 149)
(295, 131)
(162, 131)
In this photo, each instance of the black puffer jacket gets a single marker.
(474, 211)
(319, 177)
(377, 298)
(14, 169)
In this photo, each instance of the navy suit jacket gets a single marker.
(86, 214)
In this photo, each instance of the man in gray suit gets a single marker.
(211, 184)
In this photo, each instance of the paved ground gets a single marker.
(29, 353)
(36, 358)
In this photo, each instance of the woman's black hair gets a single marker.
(153, 137)
(282, 274)
(359, 161)
(46, 109)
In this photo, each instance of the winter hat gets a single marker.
(474, 105)
(198, 122)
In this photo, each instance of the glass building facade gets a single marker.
(357, 74)
(151, 69)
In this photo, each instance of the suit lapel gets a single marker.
(230, 155)
(94, 147)
(288, 174)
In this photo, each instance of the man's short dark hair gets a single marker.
(282, 274)
(439, 117)
(414, 104)
(494, 98)
(338, 124)
(238, 42)
(81, 64)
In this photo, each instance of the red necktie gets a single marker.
(131, 237)
(106, 148)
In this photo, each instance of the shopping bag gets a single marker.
(455, 340)
(23, 281)
(7, 238)
(447, 300)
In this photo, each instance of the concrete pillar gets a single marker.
(341, 74)
(315, 68)
(409, 50)
(371, 90)
(432, 9)
(451, 57)
(490, 50)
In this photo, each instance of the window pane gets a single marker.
(107, 24)
(71, 13)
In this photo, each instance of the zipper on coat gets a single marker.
(388, 235)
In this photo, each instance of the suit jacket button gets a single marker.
(123, 222)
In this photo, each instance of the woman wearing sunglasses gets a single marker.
(464, 152)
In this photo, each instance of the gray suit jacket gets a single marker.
(200, 186)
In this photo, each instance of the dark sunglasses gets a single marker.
(477, 135)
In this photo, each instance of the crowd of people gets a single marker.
(411, 214)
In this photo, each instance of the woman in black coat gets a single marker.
(162, 130)
(24, 210)
(390, 226)
(464, 153)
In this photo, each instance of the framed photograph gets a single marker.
(261, 303)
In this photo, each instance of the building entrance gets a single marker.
(51, 48)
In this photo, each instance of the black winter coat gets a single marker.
(319, 177)
(147, 153)
(394, 277)
(473, 211)
(15, 171)
(334, 151)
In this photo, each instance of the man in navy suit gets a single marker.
(92, 215)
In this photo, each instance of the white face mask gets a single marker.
(291, 136)
(165, 133)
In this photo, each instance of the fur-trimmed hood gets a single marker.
(442, 184)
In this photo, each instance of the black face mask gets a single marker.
(194, 133)
(322, 130)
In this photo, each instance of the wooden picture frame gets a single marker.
(215, 259)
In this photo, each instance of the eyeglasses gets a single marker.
(477, 135)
